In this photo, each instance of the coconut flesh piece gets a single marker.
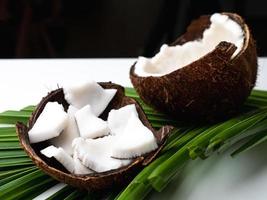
(60, 155)
(96, 153)
(79, 168)
(136, 140)
(49, 124)
(71, 131)
(72, 110)
(171, 58)
(117, 119)
(91, 93)
(73, 165)
(89, 125)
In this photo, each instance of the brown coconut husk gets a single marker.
(212, 87)
(95, 181)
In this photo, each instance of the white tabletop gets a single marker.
(24, 82)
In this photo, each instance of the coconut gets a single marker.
(89, 179)
(206, 73)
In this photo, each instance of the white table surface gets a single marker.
(24, 82)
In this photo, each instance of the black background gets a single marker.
(110, 28)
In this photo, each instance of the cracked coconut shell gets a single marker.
(212, 87)
(95, 181)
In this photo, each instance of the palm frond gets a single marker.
(19, 178)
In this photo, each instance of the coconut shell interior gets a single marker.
(212, 87)
(96, 181)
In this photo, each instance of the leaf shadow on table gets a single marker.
(220, 177)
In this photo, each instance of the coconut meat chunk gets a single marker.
(79, 168)
(90, 92)
(136, 140)
(60, 155)
(96, 153)
(171, 58)
(117, 119)
(49, 124)
(71, 132)
(72, 110)
(89, 125)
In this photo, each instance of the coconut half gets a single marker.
(92, 180)
(207, 72)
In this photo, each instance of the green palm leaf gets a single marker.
(19, 178)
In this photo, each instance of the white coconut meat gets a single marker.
(71, 132)
(79, 168)
(118, 119)
(49, 124)
(171, 58)
(136, 140)
(89, 125)
(96, 153)
(91, 93)
(72, 110)
(60, 155)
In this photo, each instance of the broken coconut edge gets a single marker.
(212, 87)
(95, 181)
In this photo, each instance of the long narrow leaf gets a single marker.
(28, 109)
(8, 189)
(12, 117)
(76, 195)
(140, 187)
(35, 188)
(254, 141)
(10, 172)
(17, 175)
(12, 153)
(231, 132)
(63, 193)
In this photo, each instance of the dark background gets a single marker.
(110, 28)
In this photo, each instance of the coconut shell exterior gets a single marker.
(212, 87)
(96, 181)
